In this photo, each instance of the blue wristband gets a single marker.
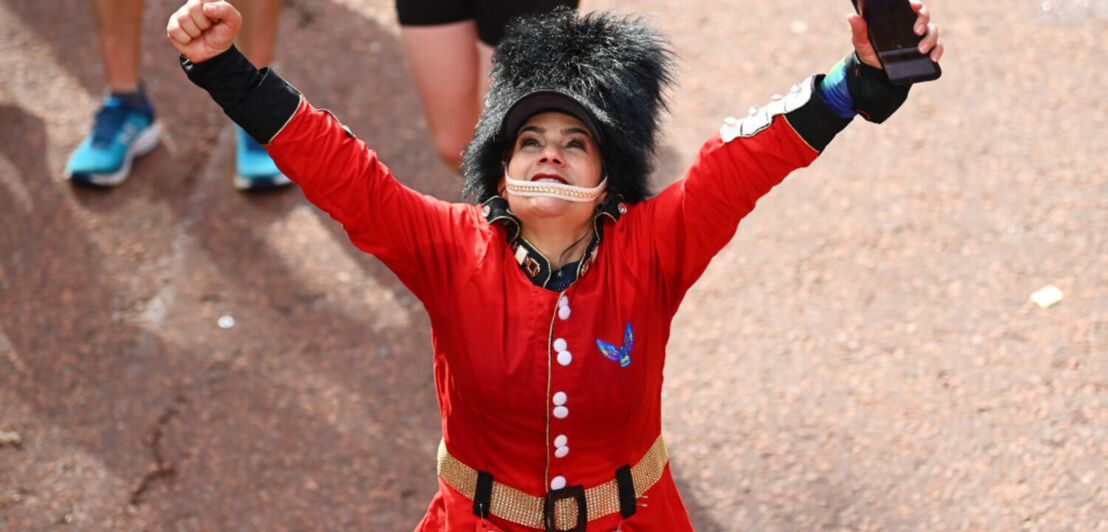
(834, 92)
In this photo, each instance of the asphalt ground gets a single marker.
(864, 355)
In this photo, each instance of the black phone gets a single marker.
(890, 32)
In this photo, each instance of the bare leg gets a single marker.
(444, 63)
(484, 63)
(118, 24)
(259, 29)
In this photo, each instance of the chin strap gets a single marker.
(554, 190)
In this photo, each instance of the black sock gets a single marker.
(132, 99)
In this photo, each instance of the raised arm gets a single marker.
(410, 232)
(695, 217)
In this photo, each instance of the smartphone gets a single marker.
(890, 32)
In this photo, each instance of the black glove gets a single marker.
(875, 98)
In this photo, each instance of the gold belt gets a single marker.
(524, 509)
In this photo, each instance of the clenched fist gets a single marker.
(203, 29)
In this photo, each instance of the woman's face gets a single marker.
(556, 147)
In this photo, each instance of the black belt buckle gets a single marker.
(576, 493)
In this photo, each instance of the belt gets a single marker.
(555, 511)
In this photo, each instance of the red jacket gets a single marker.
(498, 337)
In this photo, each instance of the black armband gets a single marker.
(875, 98)
(257, 100)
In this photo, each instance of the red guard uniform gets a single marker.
(539, 389)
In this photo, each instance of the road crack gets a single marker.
(161, 468)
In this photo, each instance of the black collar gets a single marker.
(534, 265)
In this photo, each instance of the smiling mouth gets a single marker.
(549, 178)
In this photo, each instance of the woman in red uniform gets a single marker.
(550, 299)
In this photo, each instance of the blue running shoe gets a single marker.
(254, 169)
(120, 133)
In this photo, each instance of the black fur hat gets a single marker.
(614, 68)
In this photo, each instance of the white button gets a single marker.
(558, 482)
(560, 345)
(563, 301)
(560, 398)
(560, 440)
(564, 358)
(561, 412)
(561, 452)
(563, 313)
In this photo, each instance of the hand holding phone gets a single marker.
(890, 25)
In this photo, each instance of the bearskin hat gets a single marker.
(613, 68)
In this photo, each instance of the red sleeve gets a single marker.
(694, 218)
(430, 244)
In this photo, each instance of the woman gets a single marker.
(551, 300)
